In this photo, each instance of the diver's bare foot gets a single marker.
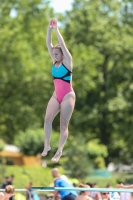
(57, 156)
(45, 151)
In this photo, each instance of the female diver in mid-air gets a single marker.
(63, 98)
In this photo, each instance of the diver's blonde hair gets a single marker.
(57, 46)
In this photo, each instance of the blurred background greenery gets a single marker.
(99, 35)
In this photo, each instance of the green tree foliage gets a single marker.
(24, 75)
(2, 144)
(77, 163)
(79, 157)
(97, 153)
(100, 37)
(91, 155)
(31, 142)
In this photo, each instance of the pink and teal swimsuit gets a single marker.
(62, 81)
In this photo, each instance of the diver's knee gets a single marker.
(63, 127)
(47, 121)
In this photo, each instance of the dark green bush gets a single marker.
(24, 174)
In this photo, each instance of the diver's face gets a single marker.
(57, 55)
